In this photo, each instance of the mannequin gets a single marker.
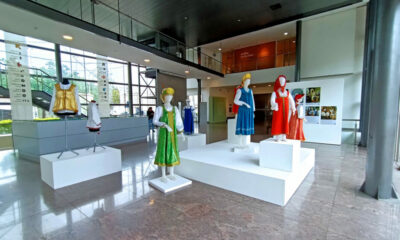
(245, 117)
(189, 118)
(65, 99)
(296, 121)
(168, 118)
(281, 101)
(94, 121)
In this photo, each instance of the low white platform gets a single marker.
(191, 141)
(280, 155)
(71, 169)
(217, 165)
(170, 185)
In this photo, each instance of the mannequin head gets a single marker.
(167, 94)
(187, 102)
(246, 80)
(280, 83)
(298, 98)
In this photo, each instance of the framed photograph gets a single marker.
(313, 96)
(312, 115)
(328, 115)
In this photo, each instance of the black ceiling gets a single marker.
(197, 22)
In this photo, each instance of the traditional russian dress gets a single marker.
(65, 99)
(245, 116)
(296, 125)
(280, 118)
(167, 153)
(188, 120)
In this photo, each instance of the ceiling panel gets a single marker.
(198, 22)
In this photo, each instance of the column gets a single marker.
(298, 52)
(130, 89)
(198, 99)
(384, 107)
(58, 62)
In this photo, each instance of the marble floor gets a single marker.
(327, 206)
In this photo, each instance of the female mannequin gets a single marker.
(245, 118)
(296, 121)
(168, 118)
(189, 118)
(281, 101)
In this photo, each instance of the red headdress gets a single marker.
(297, 97)
(278, 84)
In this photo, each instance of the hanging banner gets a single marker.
(19, 83)
(102, 83)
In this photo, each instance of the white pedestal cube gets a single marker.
(191, 141)
(170, 185)
(232, 137)
(71, 169)
(280, 155)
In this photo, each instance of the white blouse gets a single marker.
(65, 87)
(159, 113)
(94, 120)
(300, 111)
(274, 105)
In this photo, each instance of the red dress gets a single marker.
(280, 123)
(235, 108)
(296, 128)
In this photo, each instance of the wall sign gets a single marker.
(19, 83)
(102, 84)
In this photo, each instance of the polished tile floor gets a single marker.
(328, 204)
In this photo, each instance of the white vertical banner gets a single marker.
(102, 84)
(19, 83)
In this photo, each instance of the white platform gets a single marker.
(283, 156)
(217, 165)
(192, 141)
(170, 185)
(71, 169)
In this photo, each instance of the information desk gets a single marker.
(35, 138)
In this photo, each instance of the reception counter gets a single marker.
(35, 138)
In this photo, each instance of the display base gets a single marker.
(217, 165)
(191, 141)
(282, 155)
(251, 148)
(170, 185)
(71, 169)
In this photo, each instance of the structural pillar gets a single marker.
(298, 52)
(198, 99)
(58, 62)
(384, 105)
(130, 89)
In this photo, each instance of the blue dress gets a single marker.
(245, 115)
(188, 123)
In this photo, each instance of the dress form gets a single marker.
(244, 139)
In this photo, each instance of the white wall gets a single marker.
(333, 49)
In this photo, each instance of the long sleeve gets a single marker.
(254, 103)
(291, 103)
(237, 98)
(53, 99)
(178, 120)
(78, 103)
(274, 105)
(300, 112)
(157, 115)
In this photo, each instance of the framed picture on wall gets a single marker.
(328, 115)
(312, 115)
(313, 96)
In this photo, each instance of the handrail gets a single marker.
(126, 28)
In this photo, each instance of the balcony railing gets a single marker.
(107, 15)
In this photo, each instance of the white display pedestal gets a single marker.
(170, 185)
(71, 169)
(217, 165)
(191, 141)
(232, 137)
(280, 155)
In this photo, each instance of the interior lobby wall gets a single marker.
(333, 49)
(177, 83)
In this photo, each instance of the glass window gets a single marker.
(118, 94)
(116, 73)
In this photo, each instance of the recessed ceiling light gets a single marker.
(294, 41)
(186, 18)
(238, 20)
(286, 33)
(208, 78)
(219, 49)
(269, 85)
(147, 60)
(68, 37)
(187, 72)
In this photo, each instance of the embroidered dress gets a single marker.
(188, 123)
(167, 146)
(245, 116)
(296, 125)
(280, 118)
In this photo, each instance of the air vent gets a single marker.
(275, 6)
